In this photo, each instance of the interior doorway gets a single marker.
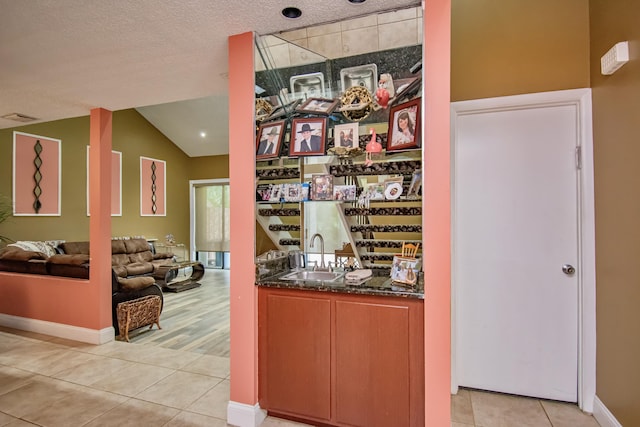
(523, 288)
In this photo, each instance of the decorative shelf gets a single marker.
(386, 228)
(279, 212)
(284, 227)
(279, 173)
(402, 167)
(289, 242)
(376, 243)
(382, 211)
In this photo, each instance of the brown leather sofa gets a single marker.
(133, 264)
(129, 258)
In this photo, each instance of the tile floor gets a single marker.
(50, 382)
(478, 408)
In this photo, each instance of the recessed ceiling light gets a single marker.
(203, 134)
(357, 1)
(291, 12)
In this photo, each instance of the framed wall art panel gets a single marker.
(152, 187)
(36, 175)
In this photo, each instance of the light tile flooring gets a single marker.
(51, 382)
(486, 409)
(179, 376)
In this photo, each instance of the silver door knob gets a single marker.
(568, 269)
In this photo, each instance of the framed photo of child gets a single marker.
(404, 126)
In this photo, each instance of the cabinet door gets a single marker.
(374, 367)
(296, 346)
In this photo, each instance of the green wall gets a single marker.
(134, 137)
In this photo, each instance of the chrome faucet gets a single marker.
(322, 267)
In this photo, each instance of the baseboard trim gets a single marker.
(603, 416)
(243, 415)
(60, 330)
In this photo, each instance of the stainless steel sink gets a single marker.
(307, 86)
(319, 276)
(362, 75)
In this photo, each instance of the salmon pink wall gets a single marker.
(49, 298)
(243, 295)
(436, 216)
(81, 303)
(100, 137)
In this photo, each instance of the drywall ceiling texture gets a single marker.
(61, 59)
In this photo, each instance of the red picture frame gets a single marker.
(308, 137)
(404, 126)
(269, 139)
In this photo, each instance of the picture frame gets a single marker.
(375, 191)
(308, 136)
(318, 106)
(282, 111)
(276, 193)
(404, 126)
(344, 193)
(269, 139)
(346, 136)
(321, 187)
(393, 188)
(405, 270)
(416, 182)
(292, 192)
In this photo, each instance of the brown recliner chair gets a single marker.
(124, 289)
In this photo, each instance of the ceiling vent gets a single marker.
(17, 117)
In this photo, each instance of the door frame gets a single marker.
(581, 99)
(193, 183)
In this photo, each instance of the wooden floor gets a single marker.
(195, 320)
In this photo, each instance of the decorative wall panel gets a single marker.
(36, 175)
(152, 187)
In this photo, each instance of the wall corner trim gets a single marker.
(74, 333)
(243, 415)
(603, 416)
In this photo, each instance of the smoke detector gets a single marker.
(18, 117)
(615, 58)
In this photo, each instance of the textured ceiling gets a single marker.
(61, 58)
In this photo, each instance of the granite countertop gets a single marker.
(380, 286)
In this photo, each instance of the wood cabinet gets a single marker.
(341, 359)
(294, 362)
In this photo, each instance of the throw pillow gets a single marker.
(43, 247)
(15, 254)
(136, 283)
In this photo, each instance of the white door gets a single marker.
(516, 224)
